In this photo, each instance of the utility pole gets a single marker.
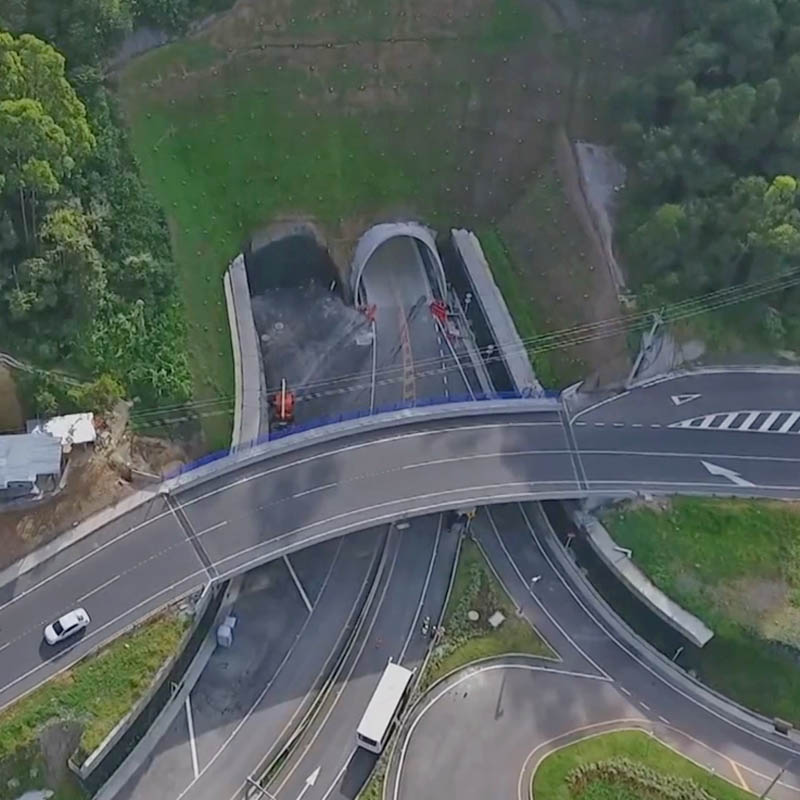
(775, 780)
(647, 342)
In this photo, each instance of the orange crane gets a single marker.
(282, 406)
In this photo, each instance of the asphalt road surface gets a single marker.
(413, 360)
(285, 503)
(250, 694)
(414, 582)
(481, 735)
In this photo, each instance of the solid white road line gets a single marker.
(99, 588)
(270, 683)
(93, 634)
(212, 528)
(538, 602)
(192, 742)
(345, 680)
(423, 593)
(297, 583)
(338, 776)
(442, 692)
(657, 675)
(315, 489)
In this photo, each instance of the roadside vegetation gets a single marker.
(79, 708)
(475, 588)
(373, 788)
(736, 565)
(712, 138)
(626, 765)
(252, 123)
(86, 282)
(552, 368)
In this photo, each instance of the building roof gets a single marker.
(69, 429)
(24, 456)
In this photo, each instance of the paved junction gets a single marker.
(482, 733)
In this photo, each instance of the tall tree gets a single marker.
(44, 131)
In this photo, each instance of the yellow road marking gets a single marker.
(739, 775)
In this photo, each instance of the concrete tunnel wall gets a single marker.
(378, 234)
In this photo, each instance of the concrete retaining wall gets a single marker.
(618, 560)
(249, 378)
(110, 766)
(496, 311)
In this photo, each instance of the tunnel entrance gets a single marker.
(378, 235)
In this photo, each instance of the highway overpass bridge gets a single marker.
(732, 433)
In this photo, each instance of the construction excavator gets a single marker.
(281, 407)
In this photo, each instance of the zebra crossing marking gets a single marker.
(748, 421)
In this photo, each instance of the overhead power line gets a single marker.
(565, 338)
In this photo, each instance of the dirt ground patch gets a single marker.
(11, 419)
(91, 485)
(764, 606)
(120, 464)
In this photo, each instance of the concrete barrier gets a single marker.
(486, 292)
(249, 379)
(618, 560)
(126, 747)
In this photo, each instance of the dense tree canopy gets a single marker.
(85, 271)
(712, 136)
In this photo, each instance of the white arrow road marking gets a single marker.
(192, 742)
(680, 399)
(724, 472)
(310, 781)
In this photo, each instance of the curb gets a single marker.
(416, 693)
(83, 529)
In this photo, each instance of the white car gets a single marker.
(66, 626)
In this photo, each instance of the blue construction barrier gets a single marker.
(319, 422)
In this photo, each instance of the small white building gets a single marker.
(71, 429)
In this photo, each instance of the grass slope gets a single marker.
(230, 141)
(524, 311)
(354, 112)
(549, 780)
(736, 565)
(97, 692)
(476, 587)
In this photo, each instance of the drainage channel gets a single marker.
(641, 619)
